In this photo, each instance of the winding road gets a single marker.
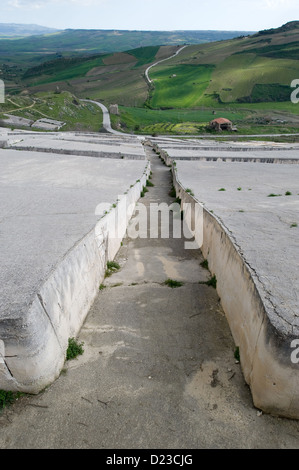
(106, 118)
(106, 115)
(159, 62)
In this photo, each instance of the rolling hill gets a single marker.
(106, 41)
(247, 78)
(13, 30)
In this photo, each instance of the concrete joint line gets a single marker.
(48, 316)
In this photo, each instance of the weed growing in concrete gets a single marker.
(205, 264)
(212, 282)
(288, 193)
(222, 189)
(189, 191)
(273, 195)
(7, 398)
(144, 190)
(172, 283)
(239, 189)
(294, 225)
(237, 354)
(112, 267)
(149, 183)
(74, 349)
(172, 192)
(102, 287)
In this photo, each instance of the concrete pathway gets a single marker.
(158, 371)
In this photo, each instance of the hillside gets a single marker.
(12, 30)
(246, 78)
(105, 41)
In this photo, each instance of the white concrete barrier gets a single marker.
(265, 347)
(33, 348)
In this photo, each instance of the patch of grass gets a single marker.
(102, 287)
(212, 282)
(144, 190)
(172, 283)
(237, 354)
(112, 267)
(149, 183)
(205, 264)
(7, 398)
(189, 191)
(274, 195)
(172, 192)
(74, 349)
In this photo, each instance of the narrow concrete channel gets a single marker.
(158, 369)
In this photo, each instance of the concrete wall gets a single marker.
(33, 348)
(265, 350)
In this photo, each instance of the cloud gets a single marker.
(41, 3)
(280, 3)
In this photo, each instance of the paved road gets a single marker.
(106, 118)
(106, 115)
(159, 62)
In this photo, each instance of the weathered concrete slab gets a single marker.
(89, 145)
(261, 225)
(231, 151)
(48, 124)
(251, 243)
(54, 252)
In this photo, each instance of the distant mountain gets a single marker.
(9, 30)
(105, 41)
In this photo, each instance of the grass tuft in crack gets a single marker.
(74, 349)
(112, 267)
(7, 398)
(172, 283)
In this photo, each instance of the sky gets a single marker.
(167, 15)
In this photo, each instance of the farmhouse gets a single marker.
(221, 124)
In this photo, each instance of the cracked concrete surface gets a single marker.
(158, 369)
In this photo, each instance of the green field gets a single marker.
(246, 79)
(194, 121)
(63, 106)
(180, 86)
(144, 55)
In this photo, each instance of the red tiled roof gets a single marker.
(221, 121)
